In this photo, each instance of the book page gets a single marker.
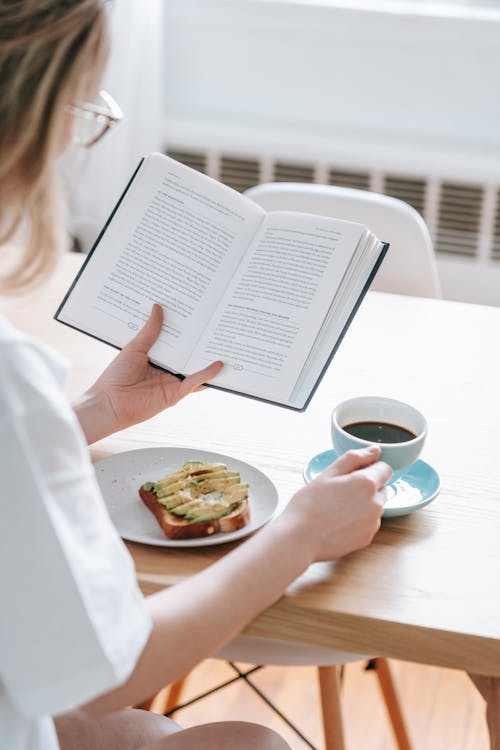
(273, 309)
(355, 281)
(176, 239)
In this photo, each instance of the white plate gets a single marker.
(121, 475)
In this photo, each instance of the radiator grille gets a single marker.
(342, 178)
(195, 159)
(406, 189)
(456, 215)
(459, 219)
(239, 174)
(286, 172)
(495, 243)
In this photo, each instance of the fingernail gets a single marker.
(372, 449)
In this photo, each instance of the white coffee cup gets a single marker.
(379, 410)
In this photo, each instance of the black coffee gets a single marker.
(379, 432)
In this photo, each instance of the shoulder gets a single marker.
(30, 372)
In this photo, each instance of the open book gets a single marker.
(269, 294)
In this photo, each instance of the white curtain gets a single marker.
(135, 78)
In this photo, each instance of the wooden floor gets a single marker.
(442, 709)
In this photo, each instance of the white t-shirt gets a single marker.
(72, 619)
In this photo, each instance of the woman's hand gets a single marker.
(340, 511)
(130, 390)
(336, 514)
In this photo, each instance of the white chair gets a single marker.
(410, 265)
(266, 652)
(409, 268)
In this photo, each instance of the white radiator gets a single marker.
(397, 97)
(463, 217)
(349, 92)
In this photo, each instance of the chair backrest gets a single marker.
(410, 265)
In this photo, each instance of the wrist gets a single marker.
(96, 416)
(291, 531)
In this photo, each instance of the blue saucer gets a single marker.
(410, 491)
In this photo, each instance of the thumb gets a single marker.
(149, 333)
(194, 381)
(354, 460)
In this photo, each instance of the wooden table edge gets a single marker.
(364, 635)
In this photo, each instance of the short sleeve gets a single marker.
(73, 621)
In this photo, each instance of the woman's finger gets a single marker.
(194, 381)
(354, 460)
(149, 333)
(381, 497)
(379, 473)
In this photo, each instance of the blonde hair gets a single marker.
(48, 49)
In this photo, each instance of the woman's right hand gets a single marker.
(339, 512)
(336, 514)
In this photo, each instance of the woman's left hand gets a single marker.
(130, 390)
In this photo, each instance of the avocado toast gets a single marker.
(199, 499)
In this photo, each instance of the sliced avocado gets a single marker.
(175, 499)
(182, 510)
(214, 499)
(219, 484)
(237, 492)
(165, 490)
(210, 514)
(192, 473)
(171, 484)
(209, 506)
(200, 492)
(196, 484)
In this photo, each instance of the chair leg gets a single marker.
(388, 688)
(331, 707)
(174, 694)
(166, 700)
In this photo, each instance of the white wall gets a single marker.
(305, 80)
(406, 91)
(405, 87)
(135, 78)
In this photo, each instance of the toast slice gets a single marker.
(198, 500)
(177, 527)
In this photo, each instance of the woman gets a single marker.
(77, 640)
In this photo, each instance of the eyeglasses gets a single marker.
(94, 119)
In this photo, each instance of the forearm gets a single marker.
(195, 619)
(96, 416)
(337, 513)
